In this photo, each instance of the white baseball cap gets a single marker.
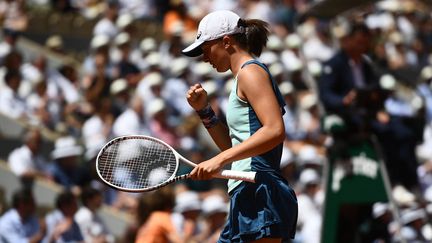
(214, 26)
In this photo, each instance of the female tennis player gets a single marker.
(265, 211)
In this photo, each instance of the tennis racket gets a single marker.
(138, 163)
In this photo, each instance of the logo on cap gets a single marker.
(199, 35)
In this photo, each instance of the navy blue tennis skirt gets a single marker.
(265, 209)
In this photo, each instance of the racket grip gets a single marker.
(237, 175)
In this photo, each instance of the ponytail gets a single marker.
(255, 36)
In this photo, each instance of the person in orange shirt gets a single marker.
(177, 20)
(159, 228)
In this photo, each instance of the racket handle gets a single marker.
(237, 175)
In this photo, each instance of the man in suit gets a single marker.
(349, 89)
(349, 86)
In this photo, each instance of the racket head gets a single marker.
(137, 163)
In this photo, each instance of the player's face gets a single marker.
(215, 54)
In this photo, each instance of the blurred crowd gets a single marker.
(138, 86)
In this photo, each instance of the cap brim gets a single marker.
(194, 49)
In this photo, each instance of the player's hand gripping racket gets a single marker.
(141, 163)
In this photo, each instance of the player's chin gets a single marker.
(221, 69)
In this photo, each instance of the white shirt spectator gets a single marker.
(138, 8)
(258, 10)
(310, 219)
(93, 130)
(5, 48)
(314, 49)
(144, 90)
(223, 5)
(14, 229)
(22, 160)
(129, 123)
(11, 104)
(174, 93)
(105, 27)
(91, 225)
(72, 234)
(68, 90)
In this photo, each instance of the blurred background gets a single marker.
(355, 75)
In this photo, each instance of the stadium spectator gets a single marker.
(159, 123)
(132, 120)
(214, 212)
(107, 24)
(66, 169)
(11, 103)
(414, 221)
(99, 46)
(186, 213)
(138, 9)
(380, 224)
(176, 85)
(124, 67)
(310, 215)
(60, 223)
(27, 161)
(37, 103)
(98, 85)
(19, 224)
(120, 95)
(317, 43)
(55, 43)
(179, 17)
(13, 15)
(92, 226)
(98, 127)
(159, 226)
(150, 87)
(8, 43)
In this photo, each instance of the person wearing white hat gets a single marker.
(414, 219)
(254, 137)
(55, 43)
(186, 212)
(124, 21)
(214, 211)
(99, 48)
(158, 114)
(120, 95)
(150, 88)
(310, 218)
(66, 170)
(144, 48)
(380, 224)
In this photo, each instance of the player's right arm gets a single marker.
(197, 98)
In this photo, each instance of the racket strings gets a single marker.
(137, 163)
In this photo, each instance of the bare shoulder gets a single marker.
(253, 80)
(252, 71)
